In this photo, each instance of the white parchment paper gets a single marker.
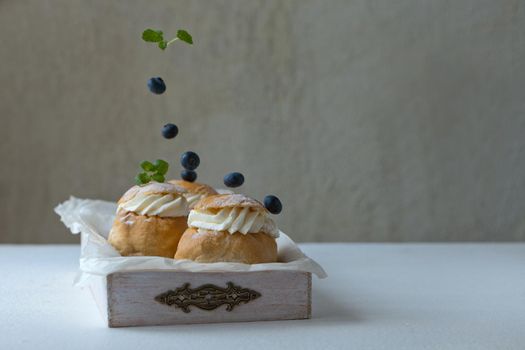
(93, 220)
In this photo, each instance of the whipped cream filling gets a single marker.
(233, 220)
(165, 205)
(192, 199)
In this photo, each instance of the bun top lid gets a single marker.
(194, 187)
(221, 201)
(152, 188)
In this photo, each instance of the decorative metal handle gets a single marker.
(207, 297)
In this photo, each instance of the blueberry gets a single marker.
(273, 204)
(156, 85)
(190, 160)
(188, 175)
(233, 179)
(169, 131)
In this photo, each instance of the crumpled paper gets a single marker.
(93, 220)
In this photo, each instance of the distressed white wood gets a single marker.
(127, 299)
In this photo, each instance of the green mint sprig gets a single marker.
(152, 172)
(156, 36)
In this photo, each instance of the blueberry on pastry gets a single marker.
(229, 228)
(188, 175)
(150, 220)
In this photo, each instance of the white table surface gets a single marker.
(377, 296)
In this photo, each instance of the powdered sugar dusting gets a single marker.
(229, 200)
(153, 187)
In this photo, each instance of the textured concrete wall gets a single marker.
(372, 120)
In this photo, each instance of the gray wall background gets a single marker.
(372, 120)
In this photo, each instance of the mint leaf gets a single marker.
(161, 166)
(142, 178)
(152, 36)
(184, 36)
(158, 177)
(148, 166)
(157, 36)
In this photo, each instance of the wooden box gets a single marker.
(144, 298)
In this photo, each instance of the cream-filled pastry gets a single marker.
(195, 191)
(150, 220)
(229, 228)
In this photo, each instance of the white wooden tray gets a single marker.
(152, 290)
(145, 298)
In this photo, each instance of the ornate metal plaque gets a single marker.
(207, 297)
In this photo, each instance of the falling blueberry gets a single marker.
(233, 179)
(190, 160)
(156, 85)
(169, 131)
(273, 204)
(188, 175)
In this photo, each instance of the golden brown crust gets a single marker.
(208, 246)
(194, 187)
(228, 200)
(152, 187)
(134, 234)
